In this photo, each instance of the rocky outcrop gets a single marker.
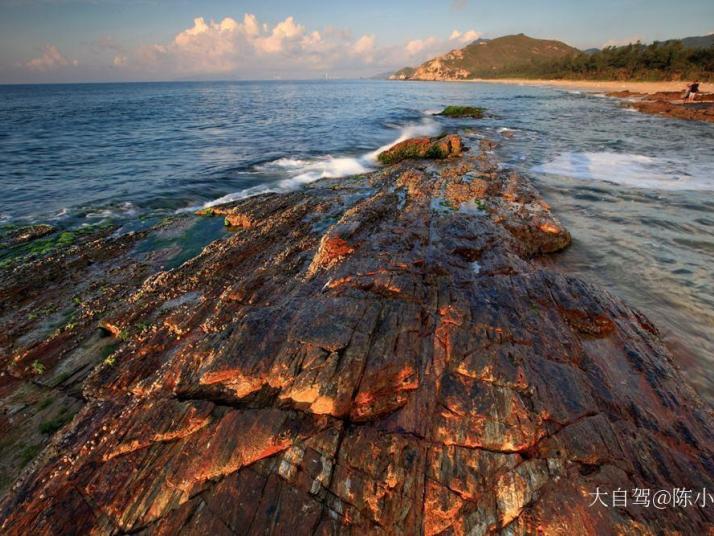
(423, 147)
(15, 236)
(442, 68)
(471, 112)
(670, 104)
(380, 354)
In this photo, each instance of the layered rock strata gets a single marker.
(380, 354)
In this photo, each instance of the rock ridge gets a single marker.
(378, 354)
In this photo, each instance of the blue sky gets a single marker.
(85, 40)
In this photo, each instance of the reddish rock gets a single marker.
(374, 355)
(671, 104)
(432, 148)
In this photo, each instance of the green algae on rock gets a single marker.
(473, 112)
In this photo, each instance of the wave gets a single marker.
(125, 209)
(427, 127)
(633, 170)
(301, 171)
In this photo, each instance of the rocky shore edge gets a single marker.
(670, 104)
(378, 354)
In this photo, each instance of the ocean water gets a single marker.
(636, 191)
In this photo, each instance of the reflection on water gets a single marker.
(636, 191)
(653, 251)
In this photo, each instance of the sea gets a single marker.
(636, 191)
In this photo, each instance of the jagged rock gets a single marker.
(373, 355)
(432, 148)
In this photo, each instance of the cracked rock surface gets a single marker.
(381, 354)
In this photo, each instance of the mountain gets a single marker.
(494, 58)
(703, 41)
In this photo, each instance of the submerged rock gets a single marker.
(380, 354)
(430, 148)
(14, 236)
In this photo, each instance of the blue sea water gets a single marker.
(636, 191)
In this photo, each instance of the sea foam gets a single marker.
(301, 171)
(633, 170)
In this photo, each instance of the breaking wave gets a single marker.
(301, 171)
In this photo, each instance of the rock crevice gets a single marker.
(377, 354)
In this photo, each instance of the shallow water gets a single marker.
(636, 191)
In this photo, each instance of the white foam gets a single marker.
(427, 127)
(125, 209)
(636, 171)
(302, 171)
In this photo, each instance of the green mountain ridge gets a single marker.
(527, 57)
(484, 58)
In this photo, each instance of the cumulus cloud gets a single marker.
(417, 46)
(464, 38)
(51, 59)
(247, 47)
(364, 46)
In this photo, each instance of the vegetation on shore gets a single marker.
(669, 60)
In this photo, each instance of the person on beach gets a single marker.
(691, 93)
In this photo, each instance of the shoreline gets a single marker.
(597, 85)
(653, 98)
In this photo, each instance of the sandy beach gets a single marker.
(601, 85)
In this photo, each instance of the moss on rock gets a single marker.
(474, 112)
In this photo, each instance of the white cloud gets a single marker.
(464, 38)
(364, 44)
(416, 46)
(50, 60)
(285, 34)
(249, 47)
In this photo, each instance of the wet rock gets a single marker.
(431, 148)
(472, 112)
(671, 104)
(14, 236)
(376, 355)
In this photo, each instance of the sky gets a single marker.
(49, 41)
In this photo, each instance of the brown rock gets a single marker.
(19, 235)
(432, 148)
(374, 355)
